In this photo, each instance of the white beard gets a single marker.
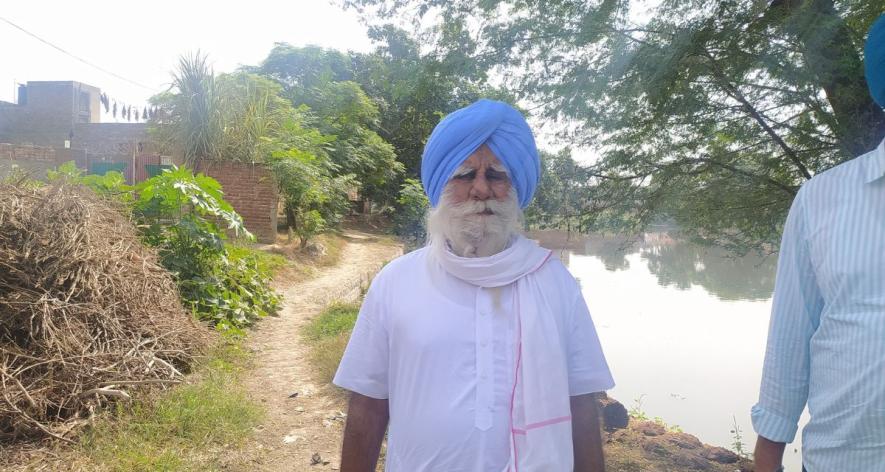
(470, 234)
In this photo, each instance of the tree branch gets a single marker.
(733, 92)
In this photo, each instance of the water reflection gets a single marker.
(674, 262)
(683, 327)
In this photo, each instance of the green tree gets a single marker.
(315, 194)
(557, 203)
(712, 113)
(245, 117)
(320, 79)
(252, 112)
(409, 220)
(414, 90)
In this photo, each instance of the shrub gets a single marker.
(179, 213)
(409, 219)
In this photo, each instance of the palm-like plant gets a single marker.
(191, 121)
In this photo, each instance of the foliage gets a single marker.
(415, 88)
(179, 212)
(111, 184)
(737, 444)
(257, 124)
(321, 80)
(636, 411)
(178, 194)
(711, 113)
(409, 221)
(328, 334)
(265, 262)
(395, 94)
(557, 204)
(314, 198)
(189, 121)
(174, 430)
(335, 319)
(252, 112)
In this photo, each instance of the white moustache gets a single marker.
(474, 227)
(479, 207)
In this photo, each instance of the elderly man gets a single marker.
(826, 343)
(478, 349)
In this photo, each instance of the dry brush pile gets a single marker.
(87, 314)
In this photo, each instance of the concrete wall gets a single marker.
(112, 141)
(49, 112)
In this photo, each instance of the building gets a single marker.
(60, 121)
(66, 117)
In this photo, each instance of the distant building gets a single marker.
(66, 116)
(60, 121)
(47, 113)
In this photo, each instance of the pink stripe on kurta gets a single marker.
(541, 424)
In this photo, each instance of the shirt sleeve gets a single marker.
(365, 364)
(587, 369)
(795, 316)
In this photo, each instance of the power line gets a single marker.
(84, 61)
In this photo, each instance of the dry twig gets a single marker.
(83, 306)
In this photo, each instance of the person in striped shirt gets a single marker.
(826, 341)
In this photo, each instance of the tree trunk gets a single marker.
(290, 221)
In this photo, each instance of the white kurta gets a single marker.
(442, 351)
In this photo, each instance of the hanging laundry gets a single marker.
(136, 115)
(114, 110)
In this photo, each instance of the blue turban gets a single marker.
(462, 132)
(874, 59)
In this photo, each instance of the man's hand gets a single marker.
(587, 434)
(366, 423)
(768, 455)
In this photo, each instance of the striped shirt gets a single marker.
(826, 340)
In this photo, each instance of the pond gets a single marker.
(683, 328)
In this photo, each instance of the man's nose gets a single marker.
(480, 190)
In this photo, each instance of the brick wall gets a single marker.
(35, 160)
(251, 190)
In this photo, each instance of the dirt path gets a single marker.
(297, 428)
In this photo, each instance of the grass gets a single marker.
(336, 319)
(328, 334)
(268, 263)
(186, 428)
(334, 244)
(294, 265)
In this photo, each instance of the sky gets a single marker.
(137, 44)
(142, 41)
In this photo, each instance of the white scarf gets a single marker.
(540, 412)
